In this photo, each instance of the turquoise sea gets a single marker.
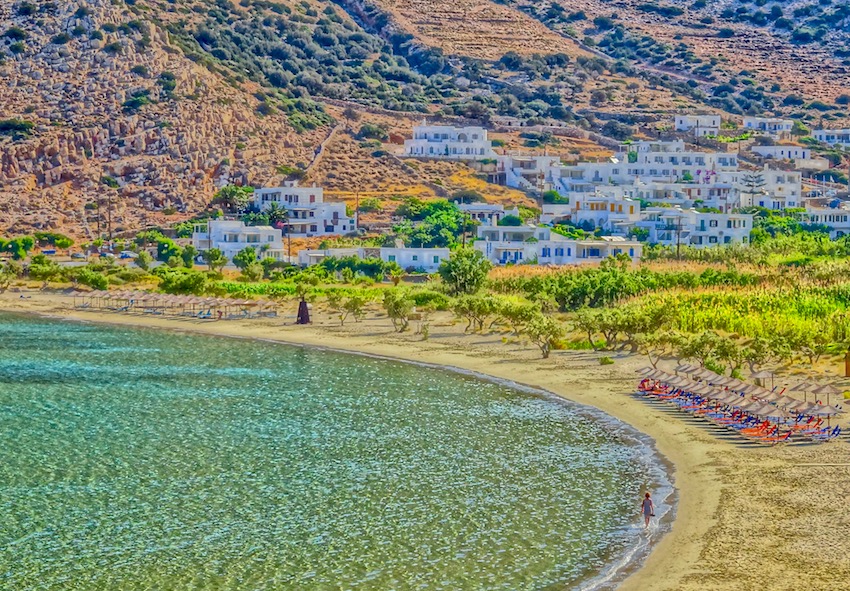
(150, 460)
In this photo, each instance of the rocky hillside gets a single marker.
(133, 113)
(102, 107)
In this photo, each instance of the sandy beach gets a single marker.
(748, 517)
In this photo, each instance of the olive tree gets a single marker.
(465, 271)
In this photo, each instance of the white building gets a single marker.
(833, 137)
(309, 214)
(701, 124)
(674, 226)
(773, 127)
(442, 141)
(415, 259)
(526, 172)
(781, 189)
(838, 220)
(783, 152)
(597, 210)
(502, 245)
(231, 236)
(487, 214)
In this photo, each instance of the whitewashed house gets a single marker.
(838, 220)
(782, 152)
(414, 259)
(677, 227)
(702, 125)
(774, 127)
(487, 214)
(782, 189)
(526, 172)
(597, 210)
(504, 245)
(454, 143)
(309, 214)
(833, 137)
(231, 236)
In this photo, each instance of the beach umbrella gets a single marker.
(770, 411)
(804, 408)
(826, 411)
(735, 384)
(788, 402)
(804, 387)
(827, 389)
(767, 395)
(763, 374)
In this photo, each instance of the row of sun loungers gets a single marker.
(203, 308)
(759, 415)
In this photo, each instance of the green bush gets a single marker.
(430, 298)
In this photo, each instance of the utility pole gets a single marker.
(288, 241)
(463, 233)
(109, 219)
(678, 237)
(357, 210)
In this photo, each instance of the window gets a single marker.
(546, 252)
(313, 228)
(631, 252)
(712, 223)
(712, 239)
(569, 252)
(559, 252)
(269, 238)
(415, 257)
(391, 258)
(436, 259)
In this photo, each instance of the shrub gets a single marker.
(16, 128)
(606, 361)
(372, 131)
(15, 34)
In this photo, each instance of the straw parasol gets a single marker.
(770, 411)
(826, 411)
(827, 389)
(786, 401)
(762, 375)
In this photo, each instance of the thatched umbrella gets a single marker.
(805, 387)
(772, 412)
(827, 389)
(826, 411)
(763, 374)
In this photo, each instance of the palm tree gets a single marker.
(277, 215)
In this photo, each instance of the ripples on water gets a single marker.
(142, 460)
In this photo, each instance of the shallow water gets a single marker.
(150, 460)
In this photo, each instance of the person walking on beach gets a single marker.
(647, 508)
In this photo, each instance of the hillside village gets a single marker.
(667, 192)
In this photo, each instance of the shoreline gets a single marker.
(694, 553)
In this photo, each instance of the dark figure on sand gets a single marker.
(648, 509)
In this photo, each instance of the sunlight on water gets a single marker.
(141, 460)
